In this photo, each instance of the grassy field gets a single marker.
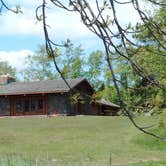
(78, 141)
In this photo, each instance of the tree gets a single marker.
(72, 63)
(5, 68)
(39, 66)
(95, 68)
(77, 67)
(153, 46)
(151, 56)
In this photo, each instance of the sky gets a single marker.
(21, 34)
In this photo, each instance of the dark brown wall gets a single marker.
(61, 103)
(85, 88)
(86, 92)
(5, 106)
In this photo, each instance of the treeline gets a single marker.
(139, 95)
(73, 63)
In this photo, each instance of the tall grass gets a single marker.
(11, 160)
(149, 163)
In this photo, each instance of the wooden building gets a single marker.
(106, 108)
(48, 97)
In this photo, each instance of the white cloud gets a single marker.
(127, 14)
(15, 58)
(19, 24)
(66, 25)
(63, 24)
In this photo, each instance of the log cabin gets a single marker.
(51, 97)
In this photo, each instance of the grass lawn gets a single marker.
(78, 141)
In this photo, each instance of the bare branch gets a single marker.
(100, 26)
(3, 5)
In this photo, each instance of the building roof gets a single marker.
(106, 103)
(36, 87)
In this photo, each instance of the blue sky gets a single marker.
(16, 43)
(21, 34)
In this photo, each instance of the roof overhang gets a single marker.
(106, 103)
(32, 93)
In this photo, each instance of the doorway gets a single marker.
(29, 105)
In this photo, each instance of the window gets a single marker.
(33, 105)
(19, 105)
(27, 106)
(30, 105)
(40, 104)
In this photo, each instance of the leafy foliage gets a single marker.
(72, 62)
(39, 67)
(77, 98)
(5, 68)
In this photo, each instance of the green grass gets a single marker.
(76, 141)
(150, 163)
(150, 142)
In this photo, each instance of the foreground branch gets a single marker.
(100, 26)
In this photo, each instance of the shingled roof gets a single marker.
(107, 103)
(36, 87)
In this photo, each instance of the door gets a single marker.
(30, 105)
(18, 106)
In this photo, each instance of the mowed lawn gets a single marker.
(78, 141)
